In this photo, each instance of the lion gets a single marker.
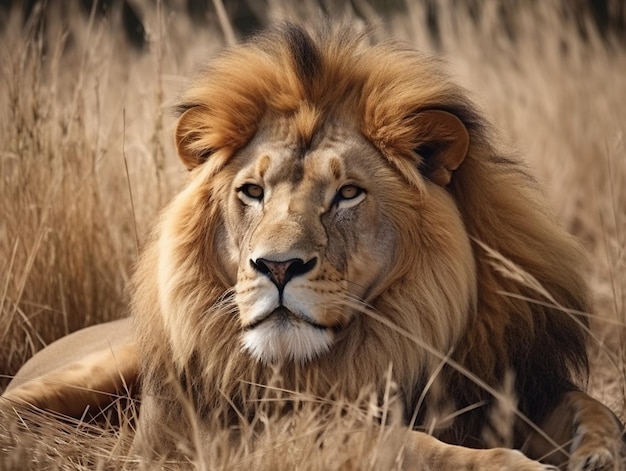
(344, 214)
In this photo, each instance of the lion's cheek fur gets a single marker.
(435, 285)
(189, 280)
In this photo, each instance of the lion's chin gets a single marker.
(277, 340)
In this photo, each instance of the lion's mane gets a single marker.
(187, 326)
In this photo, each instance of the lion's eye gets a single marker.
(349, 192)
(349, 195)
(252, 191)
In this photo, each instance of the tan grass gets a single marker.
(85, 119)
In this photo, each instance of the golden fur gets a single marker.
(89, 367)
(348, 215)
(439, 295)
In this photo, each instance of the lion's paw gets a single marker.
(596, 452)
(595, 459)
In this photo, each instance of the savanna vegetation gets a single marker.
(87, 160)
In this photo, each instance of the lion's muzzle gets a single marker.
(283, 315)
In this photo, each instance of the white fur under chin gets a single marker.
(299, 342)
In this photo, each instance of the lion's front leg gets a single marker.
(425, 452)
(590, 435)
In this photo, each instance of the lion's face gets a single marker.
(308, 238)
(319, 196)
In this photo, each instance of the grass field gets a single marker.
(86, 123)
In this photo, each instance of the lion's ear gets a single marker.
(191, 137)
(443, 142)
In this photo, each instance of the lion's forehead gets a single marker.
(331, 157)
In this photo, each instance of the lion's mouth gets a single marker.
(284, 318)
(282, 335)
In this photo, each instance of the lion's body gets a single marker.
(83, 368)
(343, 205)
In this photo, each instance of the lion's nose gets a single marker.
(282, 272)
